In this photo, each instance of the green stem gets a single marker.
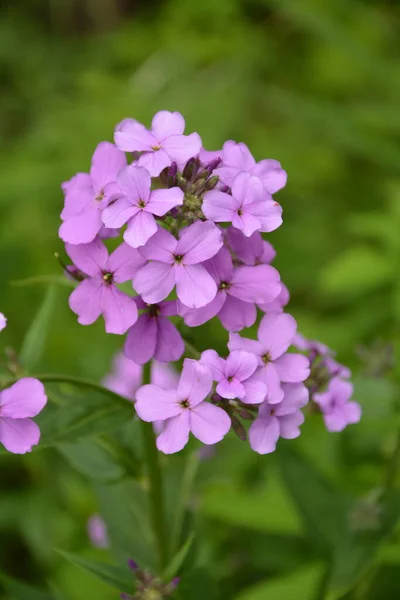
(156, 491)
(393, 465)
(191, 350)
(188, 477)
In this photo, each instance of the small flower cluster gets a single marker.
(149, 587)
(191, 223)
(329, 386)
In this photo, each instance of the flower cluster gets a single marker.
(191, 224)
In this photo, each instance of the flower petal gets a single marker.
(19, 435)
(295, 397)
(141, 228)
(170, 345)
(82, 228)
(237, 155)
(199, 242)
(255, 284)
(247, 189)
(276, 333)
(155, 161)
(79, 195)
(162, 200)
(289, 425)
(194, 285)
(292, 368)
(154, 403)
(271, 174)
(195, 382)
(240, 364)
(194, 317)
(89, 258)
(119, 310)
(161, 247)
(26, 398)
(264, 434)
(269, 375)
(154, 282)
(219, 206)
(107, 161)
(124, 263)
(132, 136)
(118, 213)
(268, 213)
(255, 391)
(236, 342)
(230, 389)
(85, 301)
(209, 423)
(175, 435)
(215, 363)
(166, 123)
(135, 182)
(236, 314)
(182, 147)
(140, 343)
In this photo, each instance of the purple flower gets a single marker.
(234, 376)
(126, 376)
(3, 322)
(162, 145)
(237, 158)
(337, 410)
(251, 250)
(321, 356)
(25, 399)
(239, 289)
(138, 205)
(275, 334)
(97, 531)
(279, 420)
(250, 208)
(208, 156)
(154, 335)
(86, 194)
(98, 294)
(184, 409)
(174, 262)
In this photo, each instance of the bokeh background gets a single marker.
(312, 83)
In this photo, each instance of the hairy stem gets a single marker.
(155, 482)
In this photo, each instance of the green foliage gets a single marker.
(119, 578)
(35, 339)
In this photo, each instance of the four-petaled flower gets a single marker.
(18, 403)
(275, 334)
(87, 194)
(98, 294)
(154, 335)
(184, 410)
(239, 289)
(337, 409)
(279, 420)
(234, 376)
(249, 208)
(174, 262)
(162, 145)
(138, 205)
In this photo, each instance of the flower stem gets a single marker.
(188, 477)
(156, 491)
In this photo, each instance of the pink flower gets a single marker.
(138, 205)
(239, 289)
(97, 530)
(275, 334)
(251, 250)
(154, 335)
(184, 409)
(279, 420)
(237, 158)
(234, 376)
(3, 322)
(174, 262)
(337, 410)
(25, 399)
(86, 194)
(278, 304)
(162, 145)
(250, 208)
(126, 376)
(98, 294)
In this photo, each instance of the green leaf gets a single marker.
(178, 560)
(35, 339)
(301, 584)
(359, 270)
(21, 591)
(92, 461)
(119, 578)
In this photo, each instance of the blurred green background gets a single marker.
(312, 83)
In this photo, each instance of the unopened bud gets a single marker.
(246, 414)
(132, 565)
(238, 428)
(211, 183)
(191, 168)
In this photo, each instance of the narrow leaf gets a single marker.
(117, 577)
(35, 339)
(178, 560)
(21, 591)
(92, 461)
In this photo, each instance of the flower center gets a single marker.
(141, 203)
(266, 358)
(153, 310)
(230, 378)
(100, 195)
(178, 258)
(224, 285)
(155, 148)
(184, 403)
(240, 212)
(108, 278)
